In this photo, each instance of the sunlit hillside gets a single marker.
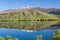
(27, 15)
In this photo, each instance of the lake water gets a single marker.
(23, 35)
(15, 29)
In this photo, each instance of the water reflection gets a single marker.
(29, 25)
(55, 26)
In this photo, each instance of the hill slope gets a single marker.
(55, 11)
(27, 15)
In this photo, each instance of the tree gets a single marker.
(56, 35)
(8, 37)
(15, 38)
(38, 37)
(1, 38)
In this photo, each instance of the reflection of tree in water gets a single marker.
(30, 25)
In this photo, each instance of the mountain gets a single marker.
(27, 15)
(30, 13)
(55, 11)
(48, 10)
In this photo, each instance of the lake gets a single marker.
(24, 35)
(22, 29)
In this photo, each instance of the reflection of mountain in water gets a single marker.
(55, 26)
(27, 25)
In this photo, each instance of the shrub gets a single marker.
(56, 35)
(38, 37)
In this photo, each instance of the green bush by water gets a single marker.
(8, 38)
(56, 35)
(38, 37)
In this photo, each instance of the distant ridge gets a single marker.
(48, 10)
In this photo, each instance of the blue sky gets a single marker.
(15, 4)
